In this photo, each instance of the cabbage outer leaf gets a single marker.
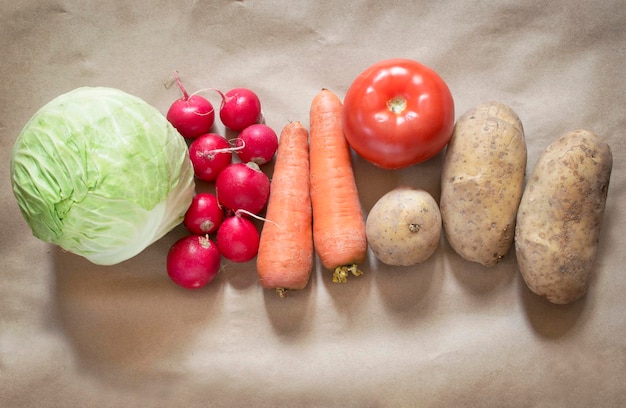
(101, 173)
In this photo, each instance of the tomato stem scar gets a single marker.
(397, 104)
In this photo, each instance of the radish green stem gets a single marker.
(211, 153)
(257, 217)
(180, 85)
(222, 95)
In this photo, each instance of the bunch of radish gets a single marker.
(220, 224)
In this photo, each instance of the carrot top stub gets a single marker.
(338, 221)
(341, 273)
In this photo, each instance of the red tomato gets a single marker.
(397, 113)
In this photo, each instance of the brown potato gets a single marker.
(559, 217)
(482, 182)
(404, 227)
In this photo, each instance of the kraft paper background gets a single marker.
(445, 333)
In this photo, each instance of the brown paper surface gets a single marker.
(443, 333)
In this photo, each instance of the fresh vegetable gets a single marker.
(191, 115)
(257, 143)
(101, 173)
(397, 113)
(285, 256)
(193, 261)
(338, 221)
(404, 227)
(242, 186)
(238, 238)
(482, 182)
(240, 108)
(210, 154)
(204, 215)
(560, 216)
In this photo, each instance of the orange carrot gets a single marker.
(285, 256)
(338, 222)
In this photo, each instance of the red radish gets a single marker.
(242, 186)
(191, 115)
(193, 261)
(204, 215)
(257, 143)
(238, 239)
(240, 108)
(210, 154)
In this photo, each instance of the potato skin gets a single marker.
(404, 227)
(560, 215)
(482, 182)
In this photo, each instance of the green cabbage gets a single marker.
(101, 174)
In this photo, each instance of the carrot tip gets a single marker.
(282, 292)
(341, 273)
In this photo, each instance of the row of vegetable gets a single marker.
(103, 174)
(312, 175)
